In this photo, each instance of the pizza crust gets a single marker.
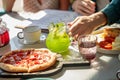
(11, 68)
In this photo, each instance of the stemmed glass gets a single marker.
(87, 45)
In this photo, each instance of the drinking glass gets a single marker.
(87, 45)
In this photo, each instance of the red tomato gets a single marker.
(109, 39)
(105, 45)
(108, 46)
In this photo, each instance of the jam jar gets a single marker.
(4, 34)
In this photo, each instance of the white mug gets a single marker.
(30, 34)
(118, 74)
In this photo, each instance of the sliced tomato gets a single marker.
(105, 45)
(108, 46)
(109, 39)
(102, 44)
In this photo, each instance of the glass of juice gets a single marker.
(58, 40)
(87, 45)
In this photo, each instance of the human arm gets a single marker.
(64, 4)
(8, 4)
(84, 7)
(112, 11)
(86, 24)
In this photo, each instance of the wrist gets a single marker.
(98, 19)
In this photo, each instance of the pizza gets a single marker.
(27, 60)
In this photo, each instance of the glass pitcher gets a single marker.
(4, 34)
(57, 40)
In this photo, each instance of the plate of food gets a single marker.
(108, 40)
(27, 63)
(31, 62)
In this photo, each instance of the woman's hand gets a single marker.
(81, 25)
(86, 24)
(84, 7)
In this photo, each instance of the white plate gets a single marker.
(105, 51)
(99, 33)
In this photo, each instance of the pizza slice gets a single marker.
(41, 59)
(15, 61)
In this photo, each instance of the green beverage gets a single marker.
(57, 39)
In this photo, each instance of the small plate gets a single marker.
(105, 51)
(99, 34)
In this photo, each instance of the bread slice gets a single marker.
(112, 32)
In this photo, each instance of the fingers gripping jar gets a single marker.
(4, 34)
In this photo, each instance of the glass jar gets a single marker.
(58, 40)
(4, 34)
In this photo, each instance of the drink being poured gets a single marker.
(58, 40)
